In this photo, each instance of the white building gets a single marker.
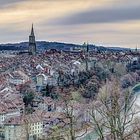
(23, 127)
(40, 79)
(14, 132)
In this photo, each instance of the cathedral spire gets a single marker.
(32, 30)
(32, 42)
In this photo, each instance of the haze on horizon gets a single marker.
(106, 22)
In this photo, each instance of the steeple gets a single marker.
(32, 30)
(32, 42)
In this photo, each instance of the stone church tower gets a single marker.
(32, 42)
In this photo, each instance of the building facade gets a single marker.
(23, 127)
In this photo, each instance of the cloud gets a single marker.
(101, 15)
(28, 11)
(5, 2)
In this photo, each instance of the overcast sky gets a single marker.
(105, 22)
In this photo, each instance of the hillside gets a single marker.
(43, 45)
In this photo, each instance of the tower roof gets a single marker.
(32, 30)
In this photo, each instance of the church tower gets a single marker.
(32, 42)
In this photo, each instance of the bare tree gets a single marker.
(113, 112)
(73, 114)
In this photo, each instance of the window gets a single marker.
(49, 108)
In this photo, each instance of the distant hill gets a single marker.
(43, 45)
(118, 48)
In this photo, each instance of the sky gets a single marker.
(101, 22)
